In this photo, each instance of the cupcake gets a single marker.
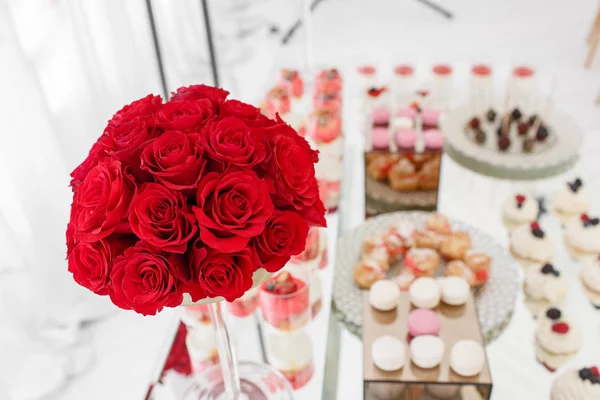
(577, 384)
(519, 209)
(292, 355)
(582, 237)
(530, 245)
(571, 200)
(422, 262)
(284, 302)
(403, 176)
(544, 286)
(590, 279)
(557, 338)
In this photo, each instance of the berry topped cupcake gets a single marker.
(557, 338)
(530, 245)
(519, 209)
(571, 200)
(284, 302)
(577, 384)
(590, 278)
(544, 286)
(582, 237)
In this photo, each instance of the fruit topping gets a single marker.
(549, 269)
(474, 123)
(282, 284)
(553, 314)
(590, 374)
(491, 115)
(588, 222)
(270, 286)
(522, 128)
(537, 231)
(575, 185)
(520, 200)
(561, 328)
(481, 275)
(503, 143)
(332, 73)
(375, 92)
(542, 134)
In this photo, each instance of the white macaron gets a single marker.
(384, 295)
(426, 351)
(467, 358)
(425, 293)
(455, 290)
(388, 353)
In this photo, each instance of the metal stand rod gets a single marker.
(159, 59)
(211, 45)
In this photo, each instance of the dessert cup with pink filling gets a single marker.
(292, 82)
(284, 302)
(329, 80)
(245, 305)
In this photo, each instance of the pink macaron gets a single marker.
(408, 112)
(434, 140)
(405, 140)
(380, 138)
(423, 322)
(430, 118)
(380, 116)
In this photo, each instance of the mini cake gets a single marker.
(426, 351)
(292, 82)
(328, 101)
(422, 262)
(366, 273)
(479, 263)
(530, 245)
(438, 224)
(384, 295)
(455, 290)
(379, 166)
(467, 358)
(403, 176)
(582, 237)
(428, 239)
(544, 286)
(388, 353)
(404, 279)
(405, 141)
(201, 343)
(557, 338)
(380, 138)
(573, 384)
(571, 200)
(423, 322)
(434, 141)
(380, 117)
(424, 293)
(292, 355)
(284, 302)
(455, 245)
(519, 209)
(590, 279)
(457, 268)
(329, 80)
(430, 119)
(245, 305)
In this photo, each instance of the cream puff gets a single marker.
(519, 209)
(366, 273)
(479, 263)
(428, 239)
(422, 262)
(530, 245)
(403, 176)
(571, 200)
(438, 224)
(459, 269)
(455, 245)
(544, 286)
(582, 237)
(590, 279)
(557, 338)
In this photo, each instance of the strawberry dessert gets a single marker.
(328, 101)
(292, 82)
(277, 101)
(284, 302)
(325, 126)
(329, 80)
(245, 305)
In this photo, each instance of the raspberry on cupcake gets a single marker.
(557, 338)
(530, 245)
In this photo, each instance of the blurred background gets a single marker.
(67, 65)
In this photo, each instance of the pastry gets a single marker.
(439, 224)
(428, 240)
(380, 138)
(430, 119)
(467, 357)
(423, 322)
(455, 245)
(429, 174)
(544, 286)
(384, 295)
(426, 351)
(530, 245)
(519, 209)
(201, 343)
(395, 245)
(424, 293)
(557, 338)
(405, 229)
(388, 353)
(375, 250)
(292, 82)
(571, 200)
(380, 117)
(434, 141)
(405, 141)
(366, 273)
(459, 269)
(590, 279)
(292, 355)
(577, 384)
(245, 305)
(403, 176)
(455, 290)
(329, 80)
(284, 302)
(404, 279)
(582, 237)
(479, 263)
(380, 164)
(422, 261)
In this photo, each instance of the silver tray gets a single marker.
(495, 301)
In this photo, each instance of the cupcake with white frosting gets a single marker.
(530, 245)
(544, 286)
(582, 384)
(590, 279)
(519, 209)
(557, 338)
(582, 237)
(571, 200)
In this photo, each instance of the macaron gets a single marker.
(380, 116)
(434, 140)
(405, 140)
(384, 295)
(430, 117)
(426, 351)
(388, 353)
(455, 290)
(424, 293)
(467, 358)
(423, 322)
(402, 123)
(380, 138)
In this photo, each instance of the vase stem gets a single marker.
(227, 358)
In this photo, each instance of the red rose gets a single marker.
(145, 280)
(184, 115)
(295, 180)
(199, 92)
(175, 159)
(284, 236)
(91, 263)
(280, 128)
(143, 108)
(161, 218)
(246, 112)
(102, 202)
(231, 142)
(94, 156)
(232, 207)
(217, 274)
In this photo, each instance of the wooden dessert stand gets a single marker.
(593, 40)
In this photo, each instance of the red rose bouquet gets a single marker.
(193, 196)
